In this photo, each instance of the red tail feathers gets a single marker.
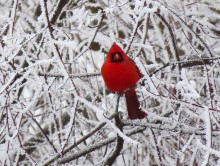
(134, 112)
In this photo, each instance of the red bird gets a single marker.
(121, 74)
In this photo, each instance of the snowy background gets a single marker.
(55, 108)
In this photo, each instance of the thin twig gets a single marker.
(15, 6)
(173, 39)
(72, 125)
(42, 131)
(70, 75)
(55, 45)
(93, 37)
(119, 141)
(187, 63)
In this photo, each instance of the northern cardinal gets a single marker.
(121, 74)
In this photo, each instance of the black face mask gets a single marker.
(116, 57)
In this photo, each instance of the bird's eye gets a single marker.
(116, 57)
